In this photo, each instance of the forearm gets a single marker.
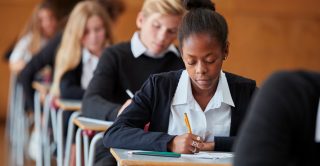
(208, 146)
(123, 136)
(99, 108)
(16, 67)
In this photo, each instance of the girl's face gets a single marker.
(157, 31)
(94, 35)
(48, 22)
(203, 57)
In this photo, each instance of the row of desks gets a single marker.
(121, 155)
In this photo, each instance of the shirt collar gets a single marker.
(183, 94)
(138, 48)
(86, 56)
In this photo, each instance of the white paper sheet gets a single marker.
(208, 155)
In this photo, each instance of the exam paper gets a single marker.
(208, 155)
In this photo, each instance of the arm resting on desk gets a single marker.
(128, 130)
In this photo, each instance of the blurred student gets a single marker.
(46, 56)
(41, 28)
(281, 125)
(87, 33)
(215, 101)
(125, 66)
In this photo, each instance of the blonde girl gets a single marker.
(86, 34)
(41, 28)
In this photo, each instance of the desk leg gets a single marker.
(20, 137)
(60, 137)
(78, 147)
(53, 113)
(45, 133)
(37, 128)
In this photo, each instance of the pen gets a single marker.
(130, 94)
(186, 120)
(155, 153)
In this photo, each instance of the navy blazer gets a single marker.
(152, 104)
(70, 84)
(46, 56)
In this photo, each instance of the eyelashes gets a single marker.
(193, 62)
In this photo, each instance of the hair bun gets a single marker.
(194, 4)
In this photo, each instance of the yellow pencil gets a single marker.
(186, 120)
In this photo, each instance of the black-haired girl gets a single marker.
(215, 101)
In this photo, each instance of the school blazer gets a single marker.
(152, 104)
(70, 84)
(46, 56)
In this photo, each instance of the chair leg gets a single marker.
(78, 147)
(92, 149)
(85, 148)
(69, 138)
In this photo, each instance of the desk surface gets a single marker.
(69, 105)
(42, 87)
(125, 159)
(92, 124)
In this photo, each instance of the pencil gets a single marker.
(129, 93)
(186, 120)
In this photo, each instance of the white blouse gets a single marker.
(21, 49)
(215, 120)
(89, 64)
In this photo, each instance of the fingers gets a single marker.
(196, 138)
(196, 143)
(193, 149)
(186, 143)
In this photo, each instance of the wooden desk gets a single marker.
(92, 124)
(88, 124)
(41, 87)
(125, 159)
(69, 105)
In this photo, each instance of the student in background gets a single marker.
(46, 56)
(280, 128)
(215, 101)
(41, 28)
(127, 65)
(87, 33)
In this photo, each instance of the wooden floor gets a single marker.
(5, 155)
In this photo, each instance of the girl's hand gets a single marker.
(186, 143)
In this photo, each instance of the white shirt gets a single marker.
(138, 48)
(215, 120)
(21, 49)
(89, 64)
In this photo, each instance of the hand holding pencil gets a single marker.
(186, 143)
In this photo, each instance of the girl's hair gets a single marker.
(69, 53)
(202, 18)
(114, 8)
(167, 7)
(34, 28)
